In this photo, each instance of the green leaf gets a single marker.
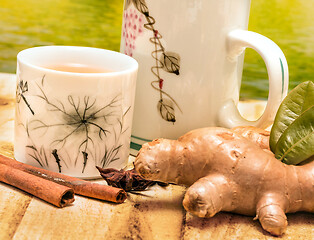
(296, 144)
(300, 99)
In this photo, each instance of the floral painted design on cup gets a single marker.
(79, 122)
(134, 13)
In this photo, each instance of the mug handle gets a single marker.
(277, 68)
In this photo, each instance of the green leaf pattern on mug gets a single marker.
(167, 61)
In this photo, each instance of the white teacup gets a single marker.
(190, 56)
(74, 108)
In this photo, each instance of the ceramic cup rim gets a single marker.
(130, 64)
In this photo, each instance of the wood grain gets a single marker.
(13, 205)
(230, 226)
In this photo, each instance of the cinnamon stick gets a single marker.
(51, 192)
(80, 187)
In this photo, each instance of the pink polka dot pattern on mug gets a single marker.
(133, 27)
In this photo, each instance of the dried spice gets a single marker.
(81, 187)
(128, 180)
(49, 191)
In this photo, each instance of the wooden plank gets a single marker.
(13, 202)
(13, 205)
(7, 85)
(85, 219)
(230, 226)
(7, 114)
(157, 215)
(300, 226)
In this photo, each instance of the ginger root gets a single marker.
(229, 172)
(257, 135)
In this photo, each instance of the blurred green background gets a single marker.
(97, 23)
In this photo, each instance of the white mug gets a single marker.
(190, 56)
(74, 108)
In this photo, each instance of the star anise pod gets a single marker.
(128, 180)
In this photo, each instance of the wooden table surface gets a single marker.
(154, 214)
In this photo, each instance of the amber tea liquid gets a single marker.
(77, 68)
